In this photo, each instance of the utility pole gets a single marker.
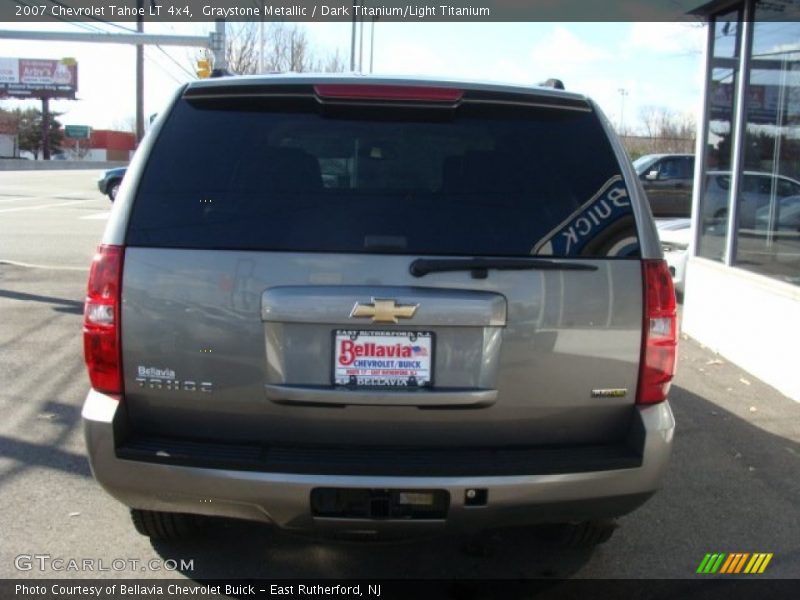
(361, 46)
(261, 46)
(139, 74)
(372, 44)
(353, 40)
(218, 46)
(110, 38)
(622, 92)
(45, 128)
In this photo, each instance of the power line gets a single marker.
(128, 29)
(160, 66)
(177, 64)
(94, 29)
(118, 26)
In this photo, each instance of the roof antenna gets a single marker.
(553, 83)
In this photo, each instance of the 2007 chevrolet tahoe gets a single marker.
(355, 303)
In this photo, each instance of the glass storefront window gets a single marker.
(726, 29)
(768, 231)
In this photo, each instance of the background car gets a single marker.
(757, 189)
(110, 181)
(787, 217)
(675, 236)
(667, 181)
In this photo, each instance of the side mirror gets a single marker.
(652, 175)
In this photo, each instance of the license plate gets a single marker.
(383, 358)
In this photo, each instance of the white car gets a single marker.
(675, 236)
(755, 194)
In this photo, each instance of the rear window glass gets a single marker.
(235, 174)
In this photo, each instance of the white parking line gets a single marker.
(40, 206)
(17, 263)
(11, 198)
(98, 216)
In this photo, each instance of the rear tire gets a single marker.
(163, 525)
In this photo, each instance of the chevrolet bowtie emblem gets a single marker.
(384, 311)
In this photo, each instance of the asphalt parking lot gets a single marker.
(733, 483)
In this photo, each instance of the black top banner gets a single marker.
(347, 10)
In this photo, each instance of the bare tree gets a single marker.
(334, 63)
(648, 115)
(241, 51)
(77, 149)
(662, 130)
(661, 122)
(126, 123)
(286, 49)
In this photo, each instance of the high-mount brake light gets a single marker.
(660, 337)
(101, 327)
(412, 93)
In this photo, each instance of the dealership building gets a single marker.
(743, 280)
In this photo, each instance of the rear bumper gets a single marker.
(284, 498)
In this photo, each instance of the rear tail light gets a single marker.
(417, 93)
(101, 331)
(660, 338)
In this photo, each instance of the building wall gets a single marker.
(103, 145)
(113, 140)
(8, 145)
(96, 154)
(750, 319)
(114, 154)
(742, 291)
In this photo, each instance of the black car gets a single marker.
(667, 181)
(110, 181)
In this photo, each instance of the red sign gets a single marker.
(37, 78)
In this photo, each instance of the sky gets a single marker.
(655, 64)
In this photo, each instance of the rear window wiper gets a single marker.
(479, 267)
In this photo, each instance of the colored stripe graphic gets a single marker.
(741, 562)
(734, 563)
(755, 562)
(711, 563)
(703, 563)
(764, 564)
(758, 563)
(727, 565)
(737, 563)
(715, 566)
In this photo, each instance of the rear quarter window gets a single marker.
(477, 180)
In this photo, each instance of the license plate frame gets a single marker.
(387, 371)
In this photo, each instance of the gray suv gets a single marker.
(374, 305)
